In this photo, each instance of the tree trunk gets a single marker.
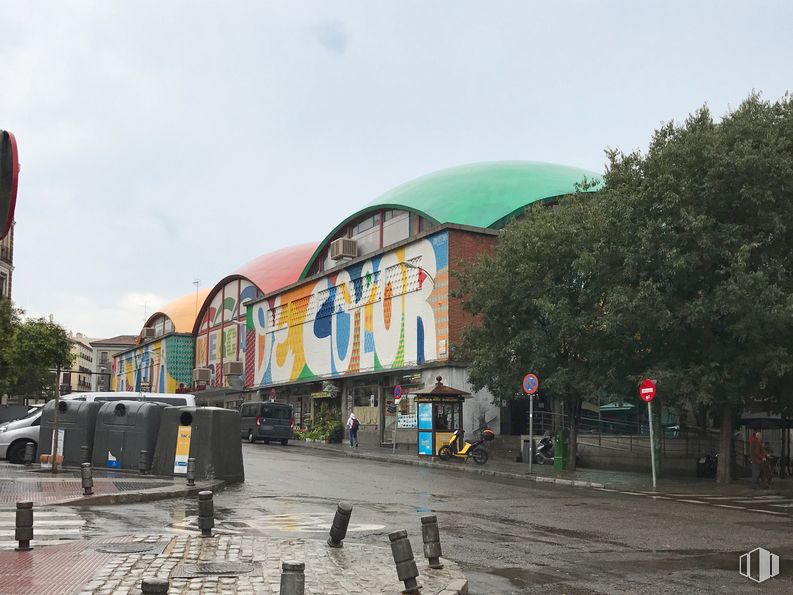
(572, 443)
(724, 471)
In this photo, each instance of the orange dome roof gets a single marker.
(182, 311)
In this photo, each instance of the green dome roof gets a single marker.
(483, 194)
(480, 194)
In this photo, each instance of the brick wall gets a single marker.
(464, 246)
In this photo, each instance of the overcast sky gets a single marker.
(165, 141)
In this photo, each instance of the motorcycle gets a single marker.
(544, 452)
(456, 447)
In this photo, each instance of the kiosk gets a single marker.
(440, 413)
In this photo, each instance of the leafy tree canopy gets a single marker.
(30, 348)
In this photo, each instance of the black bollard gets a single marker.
(152, 586)
(143, 462)
(206, 513)
(338, 530)
(190, 471)
(293, 578)
(88, 480)
(24, 526)
(84, 458)
(30, 452)
(403, 558)
(432, 540)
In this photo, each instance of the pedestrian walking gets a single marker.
(757, 456)
(352, 428)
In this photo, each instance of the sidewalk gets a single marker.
(581, 477)
(19, 484)
(218, 565)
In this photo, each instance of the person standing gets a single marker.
(352, 428)
(757, 456)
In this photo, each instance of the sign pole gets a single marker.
(397, 398)
(647, 394)
(55, 433)
(530, 386)
(652, 442)
(531, 432)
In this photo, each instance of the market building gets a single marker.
(335, 327)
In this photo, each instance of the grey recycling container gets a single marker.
(76, 422)
(123, 429)
(211, 435)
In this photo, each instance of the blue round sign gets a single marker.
(397, 392)
(530, 384)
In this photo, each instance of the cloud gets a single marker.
(332, 36)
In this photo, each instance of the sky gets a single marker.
(164, 142)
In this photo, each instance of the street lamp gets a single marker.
(410, 265)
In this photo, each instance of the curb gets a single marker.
(464, 468)
(135, 496)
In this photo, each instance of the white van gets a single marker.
(174, 399)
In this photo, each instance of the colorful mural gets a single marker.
(221, 337)
(164, 366)
(390, 311)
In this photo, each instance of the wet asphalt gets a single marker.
(509, 536)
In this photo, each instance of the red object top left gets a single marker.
(9, 179)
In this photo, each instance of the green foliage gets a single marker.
(326, 425)
(30, 349)
(680, 269)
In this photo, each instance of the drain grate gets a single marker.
(222, 568)
(137, 547)
(124, 486)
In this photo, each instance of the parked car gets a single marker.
(265, 421)
(14, 435)
(176, 400)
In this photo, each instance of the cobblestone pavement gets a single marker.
(85, 568)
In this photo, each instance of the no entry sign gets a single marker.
(647, 390)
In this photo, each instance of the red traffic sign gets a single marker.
(9, 177)
(397, 393)
(530, 384)
(647, 390)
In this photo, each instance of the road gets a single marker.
(509, 536)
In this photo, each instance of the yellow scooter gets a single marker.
(456, 447)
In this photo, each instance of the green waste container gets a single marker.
(560, 450)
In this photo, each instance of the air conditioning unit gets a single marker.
(232, 368)
(343, 248)
(148, 332)
(202, 375)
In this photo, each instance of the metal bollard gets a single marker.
(24, 526)
(293, 578)
(206, 513)
(152, 586)
(143, 462)
(403, 558)
(190, 471)
(84, 458)
(30, 452)
(432, 540)
(88, 480)
(338, 530)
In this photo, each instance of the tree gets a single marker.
(538, 306)
(679, 268)
(34, 348)
(705, 291)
